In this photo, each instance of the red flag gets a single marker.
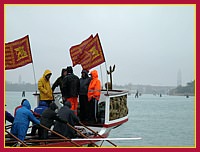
(92, 54)
(77, 50)
(17, 53)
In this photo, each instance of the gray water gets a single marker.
(167, 121)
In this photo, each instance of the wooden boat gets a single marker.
(113, 112)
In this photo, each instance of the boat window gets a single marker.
(101, 112)
(118, 107)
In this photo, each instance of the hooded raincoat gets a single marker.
(22, 120)
(66, 114)
(41, 107)
(47, 119)
(94, 89)
(44, 87)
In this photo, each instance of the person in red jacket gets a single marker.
(94, 92)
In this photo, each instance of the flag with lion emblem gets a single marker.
(17, 53)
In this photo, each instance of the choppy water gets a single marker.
(167, 121)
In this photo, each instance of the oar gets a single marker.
(60, 135)
(17, 139)
(38, 140)
(80, 133)
(97, 134)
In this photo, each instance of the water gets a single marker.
(167, 121)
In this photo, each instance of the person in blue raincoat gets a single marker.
(22, 120)
(38, 110)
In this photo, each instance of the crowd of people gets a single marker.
(84, 91)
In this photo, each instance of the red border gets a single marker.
(2, 2)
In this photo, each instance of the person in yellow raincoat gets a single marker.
(44, 87)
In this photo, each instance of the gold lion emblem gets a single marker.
(21, 54)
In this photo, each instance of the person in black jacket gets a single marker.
(9, 117)
(66, 114)
(47, 119)
(59, 80)
(71, 87)
(83, 98)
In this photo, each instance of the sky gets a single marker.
(148, 44)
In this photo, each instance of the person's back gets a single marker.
(22, 120)
(71, 84)
(41, 107)
(67, 115)
(71, 87)
(38, 110)
(47, 119)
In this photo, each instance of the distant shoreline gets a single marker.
(188, 90)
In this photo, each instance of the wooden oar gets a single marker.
(80, 133)
(38, 140)
(17, 139)
(60, 135)
(97, 134)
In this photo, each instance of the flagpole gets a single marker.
(34, 78)
(33, 66)
(101, 77)
(106, 77)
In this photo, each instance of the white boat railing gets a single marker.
(112, 110)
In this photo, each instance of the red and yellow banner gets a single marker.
(92, 54)
(17, 53)
(89, 53)
(77, 50)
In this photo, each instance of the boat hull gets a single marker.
(112, 112)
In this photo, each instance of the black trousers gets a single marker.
(93, 110)
(34, 129)
(84, 107)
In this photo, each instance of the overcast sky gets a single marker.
(148, 44)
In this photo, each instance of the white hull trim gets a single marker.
(91, 139)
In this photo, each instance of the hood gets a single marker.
(86, 73)
(68, 104)
(26, 104)
(46, 72)
(53, 106)
(69, 69)
(62, 73)
(94, 74)
(43, 103)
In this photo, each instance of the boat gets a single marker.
(113, 112)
